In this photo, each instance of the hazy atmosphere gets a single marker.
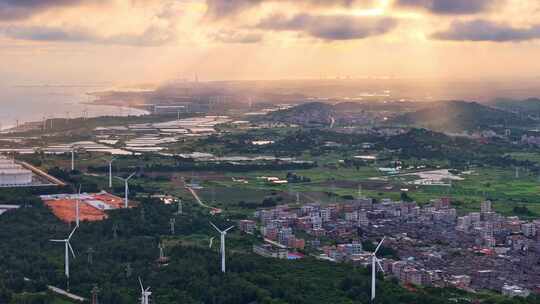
(270, 151)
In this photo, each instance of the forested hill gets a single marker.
(314, 113)
(530, 106)
(457, 116)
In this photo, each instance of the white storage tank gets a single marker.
(15, 177)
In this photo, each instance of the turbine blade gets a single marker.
(129, 177)
(215, 227)
(71, 249)
(379, 263)
(378, 246)
(228, 229)
(72, 232)
(140, 282)
(58, 241)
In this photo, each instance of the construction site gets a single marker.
(92, 206)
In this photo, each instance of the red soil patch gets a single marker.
(65, 211)
(64, 207)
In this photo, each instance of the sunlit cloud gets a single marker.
(21, 9)
(330, 27)
(482, 30)
(450, 6)
(235, 36)
(224, 8)
(152, 36)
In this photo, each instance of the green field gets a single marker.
(330, 182)
(530, 156)
(499, 185)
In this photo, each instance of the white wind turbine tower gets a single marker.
(72, 158)
(68, 248)
(375, 260)
(223, 234)
(145, 293)
(126, 188)
(110, 172)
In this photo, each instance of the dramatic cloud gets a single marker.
(20, 9)
(481, 30)
(223, 8)
(450, 6)
(330, 27)
(152, 36)
(232, 36)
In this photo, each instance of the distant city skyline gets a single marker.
(130, 41)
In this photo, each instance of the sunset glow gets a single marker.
(140, 41)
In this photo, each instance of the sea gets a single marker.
(20, 104)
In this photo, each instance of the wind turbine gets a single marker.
(145, 293)
(67, 249)
(172, 221)
(375, 260)
(179, 211)
(126, 188)
(110, 172)
(72, 158)
(223, 233)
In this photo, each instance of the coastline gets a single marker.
(99, 110)
(27, 105)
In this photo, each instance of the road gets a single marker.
(214, 210)
(61, 292)
(66, 294)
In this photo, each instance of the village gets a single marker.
(429, 245)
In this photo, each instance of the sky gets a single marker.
(150, 41)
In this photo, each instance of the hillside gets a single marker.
(314, 113)
(457, 116)
(375, 106)
(530, 106)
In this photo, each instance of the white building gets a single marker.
(464, 223)
(9, 165)
(475, 217)
(485, 206)
(351, 216)
(528, 229)
(325, 214)
(12, 174)
(515, 291)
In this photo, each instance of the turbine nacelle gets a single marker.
(219, 230)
